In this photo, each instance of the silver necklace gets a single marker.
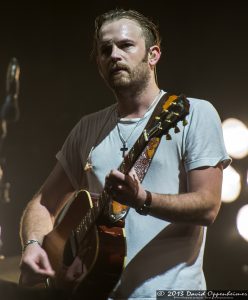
(124, 147)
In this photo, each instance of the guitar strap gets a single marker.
(142, 164)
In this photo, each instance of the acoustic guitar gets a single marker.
(87, 247)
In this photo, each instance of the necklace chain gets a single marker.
(124, 147)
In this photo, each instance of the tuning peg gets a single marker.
(145, 134)
(185, 122)
(168, 136)
(157, 118)
(176, 129)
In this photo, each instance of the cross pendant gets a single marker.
(124, 149)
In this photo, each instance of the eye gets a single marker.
(106, 49)
(126, 45)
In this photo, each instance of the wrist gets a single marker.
(144, 209)
(30, 242)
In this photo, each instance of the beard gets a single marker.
(122, 77)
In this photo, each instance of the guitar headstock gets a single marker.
(175, 109)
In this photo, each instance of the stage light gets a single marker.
(231, 185)
(236, 137)
(242, 222)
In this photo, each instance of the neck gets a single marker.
(134, 104)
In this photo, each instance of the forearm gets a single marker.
(195, 207)
(36, 221)
(199, 205)
(40, 213)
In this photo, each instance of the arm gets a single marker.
(200, 205)
(38, 220)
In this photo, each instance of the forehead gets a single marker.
(120, 29)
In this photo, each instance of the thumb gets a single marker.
(44, 267)
(133, 175)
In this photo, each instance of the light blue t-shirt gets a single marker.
(160, 255)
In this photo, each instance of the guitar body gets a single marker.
(88, 260)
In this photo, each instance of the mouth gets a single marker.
(117, 70)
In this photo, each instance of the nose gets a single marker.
(115, 53)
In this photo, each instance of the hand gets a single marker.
(35, 266)
(125, 189)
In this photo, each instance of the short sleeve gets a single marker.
(70, 157)
(89, 131)
(203, 138)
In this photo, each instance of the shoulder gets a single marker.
(202, 107)
(202, 118)
(99, 115)
(196, 103)
(90, 127)
(97, 118)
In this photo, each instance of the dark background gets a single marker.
(205, 49)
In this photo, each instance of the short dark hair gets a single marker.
(149, 29)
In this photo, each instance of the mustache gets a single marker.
(118, 67)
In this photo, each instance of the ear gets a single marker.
(154, 55)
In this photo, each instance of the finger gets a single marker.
(120, 187)
(46, 266)
(116, 175)
(112, 182)
(133, 174)
(40, 265)
(36, 268)
(108, 185)
(110, 179)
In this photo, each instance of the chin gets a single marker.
(119, 83)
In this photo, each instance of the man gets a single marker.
(165, 246)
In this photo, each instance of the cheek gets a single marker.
(101, 69)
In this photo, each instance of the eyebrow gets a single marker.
(108, 42)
